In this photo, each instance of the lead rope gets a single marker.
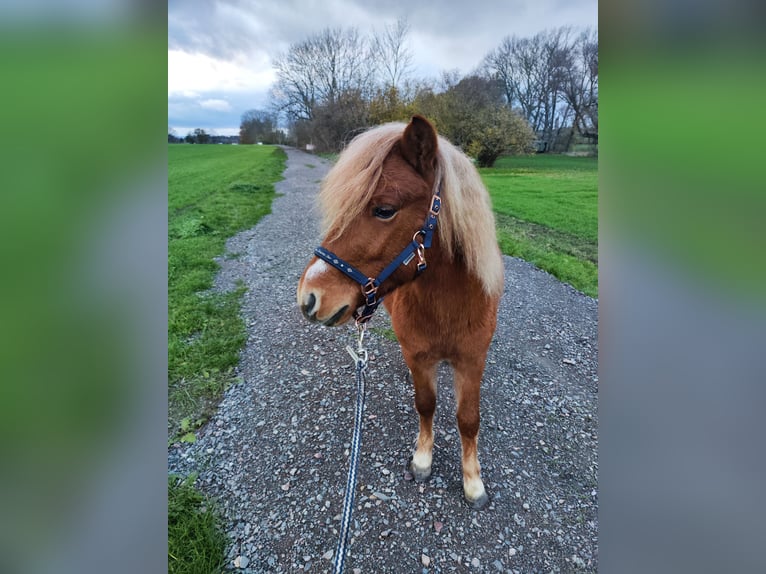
(360, 360)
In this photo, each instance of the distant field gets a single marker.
(214, 191)
(547, 213)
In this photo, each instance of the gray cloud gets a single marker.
(225, 28)
(444, 35)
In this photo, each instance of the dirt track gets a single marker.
(275, 454)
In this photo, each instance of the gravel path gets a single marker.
(275, 454)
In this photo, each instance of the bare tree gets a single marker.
(514, 63)
(553, 71)
(322, 68)
(338, 81)
(580, 86)
(392, 54)
(534, 73)
(296, 90)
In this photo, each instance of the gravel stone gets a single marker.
(275, 454)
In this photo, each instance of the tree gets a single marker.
(201, 136)
(389, 105)
(320, 70)
(393, 96)
(337, 121)
(471, 113)
(454, 111)
(393, 56)
(324, 85)
(337, 82)
(257, 126)
(467, 100)
(553, 79)
(498, 130)
(580, 86)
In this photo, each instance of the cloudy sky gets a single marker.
(220, 51)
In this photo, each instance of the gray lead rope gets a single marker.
(360, 359)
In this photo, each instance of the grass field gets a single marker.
(546, 208)
(214, 191)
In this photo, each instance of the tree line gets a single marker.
(200, 136)
(528, 94)
(537, 93)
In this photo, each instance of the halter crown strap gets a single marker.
(431, 219)
(370, 284)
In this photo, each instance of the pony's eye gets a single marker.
(384, 212)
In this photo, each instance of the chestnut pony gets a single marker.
(385, 184)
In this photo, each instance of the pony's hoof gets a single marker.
(420, 474)
(474, 493)
(479, 503)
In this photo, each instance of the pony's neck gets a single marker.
(443, 273)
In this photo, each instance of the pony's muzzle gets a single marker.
(325, 296)
(310, 307)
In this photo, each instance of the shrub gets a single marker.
(496, 131)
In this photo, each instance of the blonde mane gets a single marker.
(466, 222)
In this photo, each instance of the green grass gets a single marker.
(385, 332)
(547, 213)
(196, 543)
(214, 191)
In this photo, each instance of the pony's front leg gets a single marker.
(467, 394)
(424, 379)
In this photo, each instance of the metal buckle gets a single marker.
(369, 288)
(436, 202)
(421, 250)
(421, 258)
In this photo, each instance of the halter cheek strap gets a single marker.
(370, 284)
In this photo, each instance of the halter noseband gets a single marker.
(369, 284)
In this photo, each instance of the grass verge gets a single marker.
(547, 213)
(213, 193)
(196, 544)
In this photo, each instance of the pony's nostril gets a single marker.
(308, 307)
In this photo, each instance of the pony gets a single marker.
(443, 306)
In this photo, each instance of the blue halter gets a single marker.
(369, 284)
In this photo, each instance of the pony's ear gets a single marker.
(419, 145)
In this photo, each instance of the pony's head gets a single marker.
(376, 197)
